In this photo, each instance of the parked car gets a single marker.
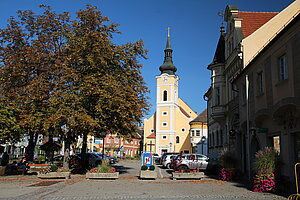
(112, 160)
(167, 158)
(175, 160)
(94, 159)
(155, 158)
(73, 160)
(189, 162)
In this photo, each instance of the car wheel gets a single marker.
(168, 166)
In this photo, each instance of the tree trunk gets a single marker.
(31, 145)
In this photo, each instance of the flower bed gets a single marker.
(54, 172)
(103, 171)
(227, 174)
(264, 183)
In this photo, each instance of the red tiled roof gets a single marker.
(254, 20)
(153, 135)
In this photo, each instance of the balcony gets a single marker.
(218, 113)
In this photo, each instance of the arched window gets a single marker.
(165, 95)
(177, 140)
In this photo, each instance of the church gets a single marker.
(168, 129)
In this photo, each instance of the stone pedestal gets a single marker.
(53, 175)
(102, 175)
(195, 175)
(148, 174)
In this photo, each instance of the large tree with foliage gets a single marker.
(68, 73)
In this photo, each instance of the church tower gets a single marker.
(166, 102)
(168, 129)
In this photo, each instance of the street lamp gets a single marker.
(170, 146)
(203, 139)
(102, 135)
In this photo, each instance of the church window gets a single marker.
(164, 124)
(193, 133)
(164, 113)
(177, 140)
(152, 131)
(164, 137)
(165, 95)
(183, 130)
(197, 132)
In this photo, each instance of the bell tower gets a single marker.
(166, 102)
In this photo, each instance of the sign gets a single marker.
(147, 159)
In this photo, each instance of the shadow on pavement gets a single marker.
(122, 169)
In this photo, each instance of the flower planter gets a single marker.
(192, 175)
(148, 174)
(114, 175)
(2, 170)
(65, 175)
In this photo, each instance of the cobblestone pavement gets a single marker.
(128, 186)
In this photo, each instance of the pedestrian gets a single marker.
(5, 159)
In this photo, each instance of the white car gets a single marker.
(167, 159)
(191, 162)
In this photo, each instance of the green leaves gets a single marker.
(57, 72)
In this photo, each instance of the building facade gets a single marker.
(258, 103)
(168, 130)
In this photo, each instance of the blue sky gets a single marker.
(194, 33)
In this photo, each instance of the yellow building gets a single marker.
(168, 130)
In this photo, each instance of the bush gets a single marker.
(266, 161)
(53, 168)
(144, 167)
(152, 167)
(266, 164)
(227, 159)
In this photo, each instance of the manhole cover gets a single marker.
(44, 183)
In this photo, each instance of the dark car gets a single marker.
(94, 159)
(73, 160)
(112, 160)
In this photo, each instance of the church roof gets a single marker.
(202, 117)
(254, 20)
(168, 66)
(152, 135)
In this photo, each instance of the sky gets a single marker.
(195, 29)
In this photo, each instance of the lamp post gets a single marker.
(170, 146)
(203, 139)
(102, 134)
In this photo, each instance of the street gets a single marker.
(128, 186)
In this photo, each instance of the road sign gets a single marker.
(147, 159)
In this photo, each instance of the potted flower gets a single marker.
(265, 165)
(55, 172)
(148, 172)
(103, 171)
(227, 161)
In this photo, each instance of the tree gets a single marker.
(69, 77)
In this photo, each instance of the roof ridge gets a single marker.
(257, 12)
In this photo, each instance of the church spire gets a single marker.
(167, 66)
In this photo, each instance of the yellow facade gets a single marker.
(168, 129)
